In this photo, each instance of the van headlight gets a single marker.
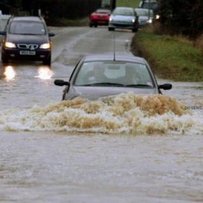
(157, 17)
(9, 45)
(45, 46)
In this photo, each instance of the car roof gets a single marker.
(118, 57)
(27, 18)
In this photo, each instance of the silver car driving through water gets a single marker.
(104, 75)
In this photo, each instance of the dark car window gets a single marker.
(23, 27)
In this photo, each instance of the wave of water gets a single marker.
(124, 113)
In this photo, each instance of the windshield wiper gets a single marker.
(25, 34)
(105, 84)
(138, 85)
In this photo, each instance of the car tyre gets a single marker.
(4, 58)
(111, 29)
(134, 29)
(47, 61)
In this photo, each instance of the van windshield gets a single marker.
(27, 28)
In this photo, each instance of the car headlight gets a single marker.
(110, 18)
(157, 17)
(45, 46)
(9, 45)
(150, 20)
(133, 20)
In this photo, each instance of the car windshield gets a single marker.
(103, 11)
(123, 12)
(113, 73)
(144, 12)
(27, 28)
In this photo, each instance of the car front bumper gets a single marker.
(35, 55)
(122, 25)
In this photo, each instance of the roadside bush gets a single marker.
(182, 17)
(171, 57)
(199, 43)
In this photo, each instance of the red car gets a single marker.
(99, 17)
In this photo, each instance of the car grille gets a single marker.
(28, 46)
(122, 25)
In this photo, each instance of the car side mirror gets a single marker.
(166, 86)
(61, 83)
(51, 34)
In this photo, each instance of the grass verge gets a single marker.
(130, 3)
(69, 22)
(174, 58)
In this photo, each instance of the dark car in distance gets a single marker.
(151, 4)
(99, 17)
(101, 75)
(26, 38)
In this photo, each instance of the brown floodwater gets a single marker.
(124, 148)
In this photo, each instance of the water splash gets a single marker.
(124, 113)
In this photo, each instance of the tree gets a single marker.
(184, 17)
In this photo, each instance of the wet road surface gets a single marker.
(88, 164)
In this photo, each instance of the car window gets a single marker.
(23, 27)
(124, 12)
(103, 11)
(125, 73)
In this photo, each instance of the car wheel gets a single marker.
(47, 61)
(111, 29)
(95, 25)
(4, 58)
(134, 29)
(90, 24)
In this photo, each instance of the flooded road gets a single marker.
(115, 150)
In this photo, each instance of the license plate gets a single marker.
(30, 53)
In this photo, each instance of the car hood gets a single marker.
(27, 38)
(93, 93)
(122, 18)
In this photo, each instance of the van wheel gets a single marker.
(4, 58)
(47, 61)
